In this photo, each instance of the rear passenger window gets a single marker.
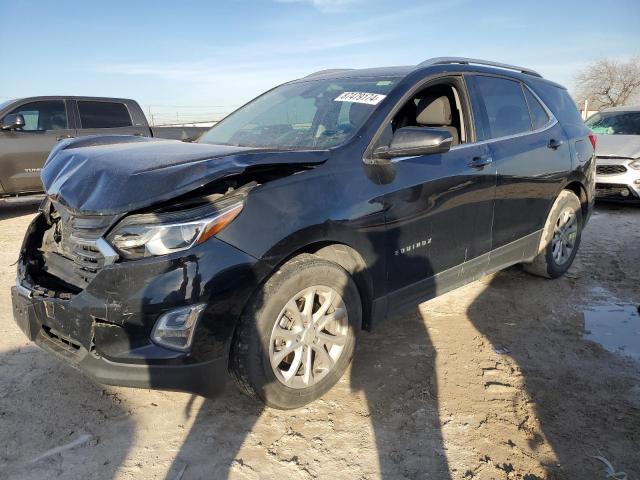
(505, 109)
(539, 117)
(103, 114)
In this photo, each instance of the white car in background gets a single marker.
(618, 153)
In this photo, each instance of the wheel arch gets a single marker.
(580, 191)
(342, 254)
(353, 262)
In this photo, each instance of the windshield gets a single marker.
(317, 114)
(615, 123)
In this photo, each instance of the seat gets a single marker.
(435, 111)
(406, 116)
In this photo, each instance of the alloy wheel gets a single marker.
(565, 233)
(308, 337)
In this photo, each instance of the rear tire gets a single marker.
(560, 238)
(297, 335)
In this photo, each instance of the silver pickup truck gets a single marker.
(30, 127)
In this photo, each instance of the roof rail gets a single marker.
(327, 71)
(475, 61)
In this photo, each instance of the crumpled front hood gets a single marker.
(109, 175)
(627, 146)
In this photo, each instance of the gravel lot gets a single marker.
(492, 381)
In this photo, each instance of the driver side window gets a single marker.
(435, 106)
(43, 115)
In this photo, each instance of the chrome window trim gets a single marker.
(508, 137)
(551, 123)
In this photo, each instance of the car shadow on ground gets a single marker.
(579, 395)
(404, 449)
(54, 420)
(8, 210)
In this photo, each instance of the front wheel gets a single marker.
(297, 335)
(560, 238)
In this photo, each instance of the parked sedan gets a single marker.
(618, 153)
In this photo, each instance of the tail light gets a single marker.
(593, 139)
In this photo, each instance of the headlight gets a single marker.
(149, 235)
(635, 164)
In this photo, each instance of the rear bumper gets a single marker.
(205, 378)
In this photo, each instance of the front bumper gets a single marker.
(615, 180)
(206, 378)
(105, 329)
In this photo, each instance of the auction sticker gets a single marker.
(360, 97)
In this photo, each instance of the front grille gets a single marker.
(74, 239)
(610, 169)
(79, 236)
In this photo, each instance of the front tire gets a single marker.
(560, 238)
(297, 335)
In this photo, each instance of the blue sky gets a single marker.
(204, 58)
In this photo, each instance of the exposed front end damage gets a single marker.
(83, 300)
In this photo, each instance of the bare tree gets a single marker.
(608, 83)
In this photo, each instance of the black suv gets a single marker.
(315, 210)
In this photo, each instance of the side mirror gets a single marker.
(414, 141)
(12, 121)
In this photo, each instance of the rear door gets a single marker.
(23, 152)
(530, 152)
(102, 117)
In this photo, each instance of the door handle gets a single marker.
(63, 137)
(481, 161)
(554, 144)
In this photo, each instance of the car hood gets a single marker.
(627, 146)
(109, 175)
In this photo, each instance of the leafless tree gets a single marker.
(608, 83)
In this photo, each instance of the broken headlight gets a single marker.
(149, 235)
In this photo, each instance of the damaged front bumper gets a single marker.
(105, 329)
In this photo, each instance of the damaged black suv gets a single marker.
(313, 211)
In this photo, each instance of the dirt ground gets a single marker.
(492, 381)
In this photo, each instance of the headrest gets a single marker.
(434, 111)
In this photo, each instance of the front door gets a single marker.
(23, 152)
(439, 207)
(438, 222)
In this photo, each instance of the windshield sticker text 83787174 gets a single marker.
(360, 97)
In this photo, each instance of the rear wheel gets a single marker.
(297, 335)
(560, 238)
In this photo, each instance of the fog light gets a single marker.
(637, 181)
(175, 329)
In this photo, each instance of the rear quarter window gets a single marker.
(103, 114)
(558, 100)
